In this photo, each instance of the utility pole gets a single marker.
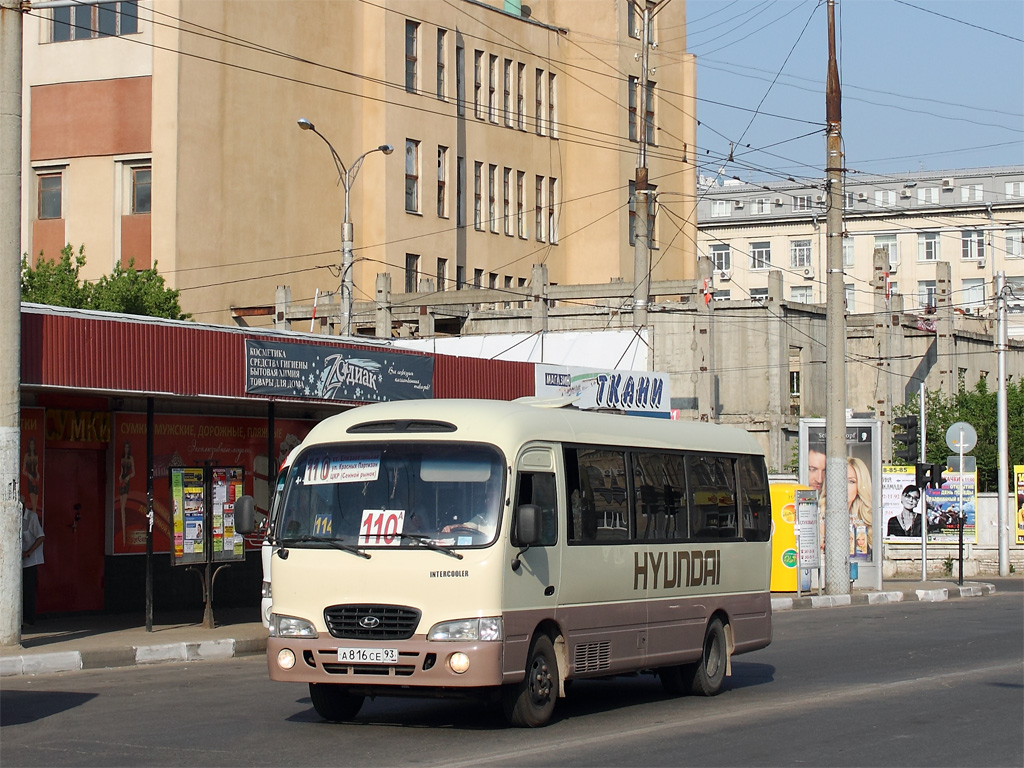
(1003, 465)
(10, 321)
(837, 515)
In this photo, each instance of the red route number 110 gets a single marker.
(380, 527)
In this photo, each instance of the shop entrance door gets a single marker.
(74, 493)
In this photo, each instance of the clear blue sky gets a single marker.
(926, 84)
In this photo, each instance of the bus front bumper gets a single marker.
(421, 664)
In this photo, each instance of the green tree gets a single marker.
(978, 407)
(55, 282)
(127, 290)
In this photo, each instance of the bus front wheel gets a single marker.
(334, 703)
(530, 704)
(705, 677)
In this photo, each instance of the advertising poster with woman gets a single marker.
(187, 441)
(860, 485)
(902, 506)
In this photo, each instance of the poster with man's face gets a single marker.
(862, 459)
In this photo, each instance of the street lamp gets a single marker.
(346, 176)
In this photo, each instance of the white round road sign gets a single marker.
(961, 436)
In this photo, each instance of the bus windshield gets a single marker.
(393, 495)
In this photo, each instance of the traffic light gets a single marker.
(907, 437)
(921, 472)
(936, 475)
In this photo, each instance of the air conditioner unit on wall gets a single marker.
(725, 274)
(904, 193)
(738, 204)
(808, 273)
(862, 196)
(777, 201)
(947, 183)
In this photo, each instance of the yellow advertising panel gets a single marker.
(785, 556)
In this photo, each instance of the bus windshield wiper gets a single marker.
(425, 542)
(336, 543)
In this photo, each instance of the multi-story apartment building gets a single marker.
(165, 131)
(971, 218)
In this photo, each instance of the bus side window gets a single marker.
(539, 488)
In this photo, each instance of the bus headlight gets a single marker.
(458, 663)
(290, 626)
(487, 629)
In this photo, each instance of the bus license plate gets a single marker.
(368, 655)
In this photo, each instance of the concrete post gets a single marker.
(282, 303)
(539, 304)
(10, 321)
(426, 316)
(880, 341)
(778, 370)
(945, 348)
(383, 301)
(704, 345)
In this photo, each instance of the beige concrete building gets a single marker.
(971, 219)
(165, 131)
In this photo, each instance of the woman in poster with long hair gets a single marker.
(127, 473)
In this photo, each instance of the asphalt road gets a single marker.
(909, 684)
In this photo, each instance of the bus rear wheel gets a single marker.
(334, 703)
(705, 677)
(530, 704)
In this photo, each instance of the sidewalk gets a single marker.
(72, 643)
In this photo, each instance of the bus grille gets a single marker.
(356, 622)
(592, 657)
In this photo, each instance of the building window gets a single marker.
(538, 208)
(885, 198)
(794, 383)
(961, 379)
(50, 196)
(972, 244)
(847, 251)
(634, 109)
(492, 214)
(412, 176)
(1014, 189)
(849, 294)
(442, 175)
(847, 200)
(478, 278)
(651, 239)
(492, 279)
(552, 208)
(521, 203)
(412, 272)
(721, 256)
(649, 112)
(801, 294)
(1014, 243)
(478, 84)
(635, 19)
(142, 182)
(928, 195)
(460, 80)
(720, 208)
(928, 246)
(759, 294)
(552, 106)
(460, 191)
(538, 100)
(799, 254)
(888, 244)
(85, 21)
(760, 205)
(760, 255)
(507, 93)
(801, 202)
(492, 87)
(520, 96)
(442, 274)
(478, 182)
(721, 295)
(442, 43)
(411, 41)
(926, 293)
(973, 297)
(506, 199)
(460, 278)
(972, 193)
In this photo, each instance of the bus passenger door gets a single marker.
(530, 591)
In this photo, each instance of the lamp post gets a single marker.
(346, 176)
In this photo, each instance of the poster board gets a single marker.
(202, 514)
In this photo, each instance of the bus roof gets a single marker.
(511, 424)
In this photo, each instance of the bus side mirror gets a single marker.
(245, 515)
(526, 531)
